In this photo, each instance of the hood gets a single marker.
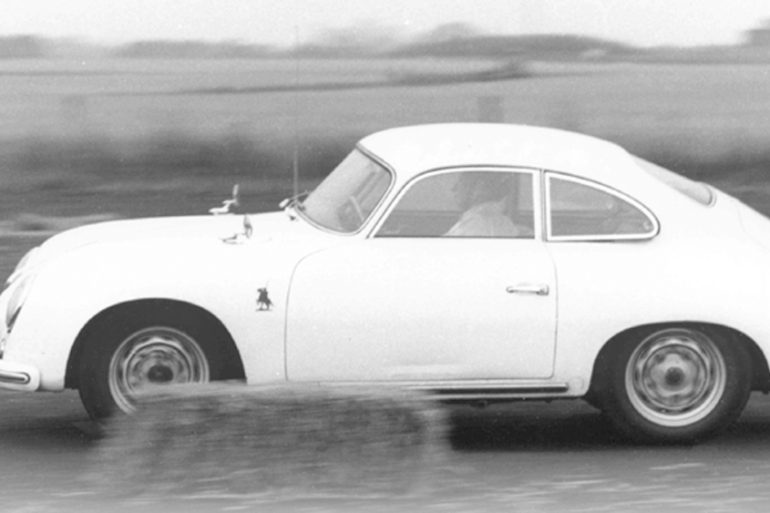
(265, 227)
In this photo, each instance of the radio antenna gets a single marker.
(295, 156)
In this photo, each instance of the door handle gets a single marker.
(539, 289)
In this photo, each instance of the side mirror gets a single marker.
(228, 205)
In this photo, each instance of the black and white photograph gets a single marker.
(365, 256)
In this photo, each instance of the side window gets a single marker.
(580, 210)
(475, 204)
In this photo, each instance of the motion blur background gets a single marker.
(127, 109)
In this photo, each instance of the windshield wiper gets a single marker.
(293, 203)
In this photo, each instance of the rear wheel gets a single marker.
(121, 359)
(676, 385)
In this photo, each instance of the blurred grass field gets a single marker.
(130, 138)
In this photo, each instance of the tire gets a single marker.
(130, 352)
(676, 384)
(595, 401)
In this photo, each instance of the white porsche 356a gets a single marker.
(481, 263)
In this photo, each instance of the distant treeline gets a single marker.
(190, 50)
(23, 47)
(534, 47)
(559, 47)
(540, 47)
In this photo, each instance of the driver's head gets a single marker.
(473, 189)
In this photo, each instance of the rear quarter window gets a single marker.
(579, 210)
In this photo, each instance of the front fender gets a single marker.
(221, 278)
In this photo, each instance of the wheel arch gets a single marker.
(760, 379)
(175, 309)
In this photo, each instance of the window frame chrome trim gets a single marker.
(373, 214)
(547, 221)
(537, 196)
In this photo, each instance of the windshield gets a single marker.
(346, 198)
(697, 191)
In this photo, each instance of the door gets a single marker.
(438, 302)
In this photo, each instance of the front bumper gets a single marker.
(13, 375)
(18, 376)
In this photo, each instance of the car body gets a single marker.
(611, 279)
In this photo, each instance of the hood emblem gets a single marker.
(263, 299)
(241, 237)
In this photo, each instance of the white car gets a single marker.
(479, 262)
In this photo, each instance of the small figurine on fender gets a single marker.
(263, 301)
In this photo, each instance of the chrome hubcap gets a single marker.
(675, 377)
(154, 356)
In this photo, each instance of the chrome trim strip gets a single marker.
(466, 388)
(536, 194)
(466, 398)
(498, 391)
(550, 175)
(373, 214)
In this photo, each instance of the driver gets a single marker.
(483, 197)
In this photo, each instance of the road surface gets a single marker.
(534, 457)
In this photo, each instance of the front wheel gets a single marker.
(676, 385)
(119, 362)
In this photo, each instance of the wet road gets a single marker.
(530, 457)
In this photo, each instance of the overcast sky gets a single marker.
(642, 22)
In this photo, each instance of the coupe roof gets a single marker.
(414, 149)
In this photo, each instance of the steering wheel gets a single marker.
(351, 214)
(357, 209)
